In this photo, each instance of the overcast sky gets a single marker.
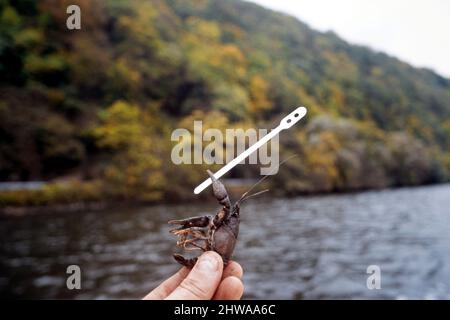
(416, 31)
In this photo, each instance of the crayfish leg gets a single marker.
(189, 263)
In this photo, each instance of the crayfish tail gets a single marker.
(189, 263)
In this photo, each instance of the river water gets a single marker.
(315, 247)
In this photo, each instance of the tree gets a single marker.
(134, 168)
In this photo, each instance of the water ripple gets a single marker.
(303, 248)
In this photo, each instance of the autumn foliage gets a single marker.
(98, 105)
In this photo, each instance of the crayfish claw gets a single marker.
(200, 222)
(219, 191)
(176, 222)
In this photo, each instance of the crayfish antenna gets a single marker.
(252, 195)
(264, 178)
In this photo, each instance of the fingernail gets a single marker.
(208, 263)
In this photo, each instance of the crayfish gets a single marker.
(218, 233)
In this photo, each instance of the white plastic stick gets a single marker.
(285, 123)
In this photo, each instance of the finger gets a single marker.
(166, 288)
(233, 269)
(202, 281)
(230, 288)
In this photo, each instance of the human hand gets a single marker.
(207, 280)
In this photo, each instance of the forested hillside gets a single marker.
(96, 106)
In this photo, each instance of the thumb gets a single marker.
(202, 281)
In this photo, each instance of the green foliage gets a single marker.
(54, 193)
(134, 168)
